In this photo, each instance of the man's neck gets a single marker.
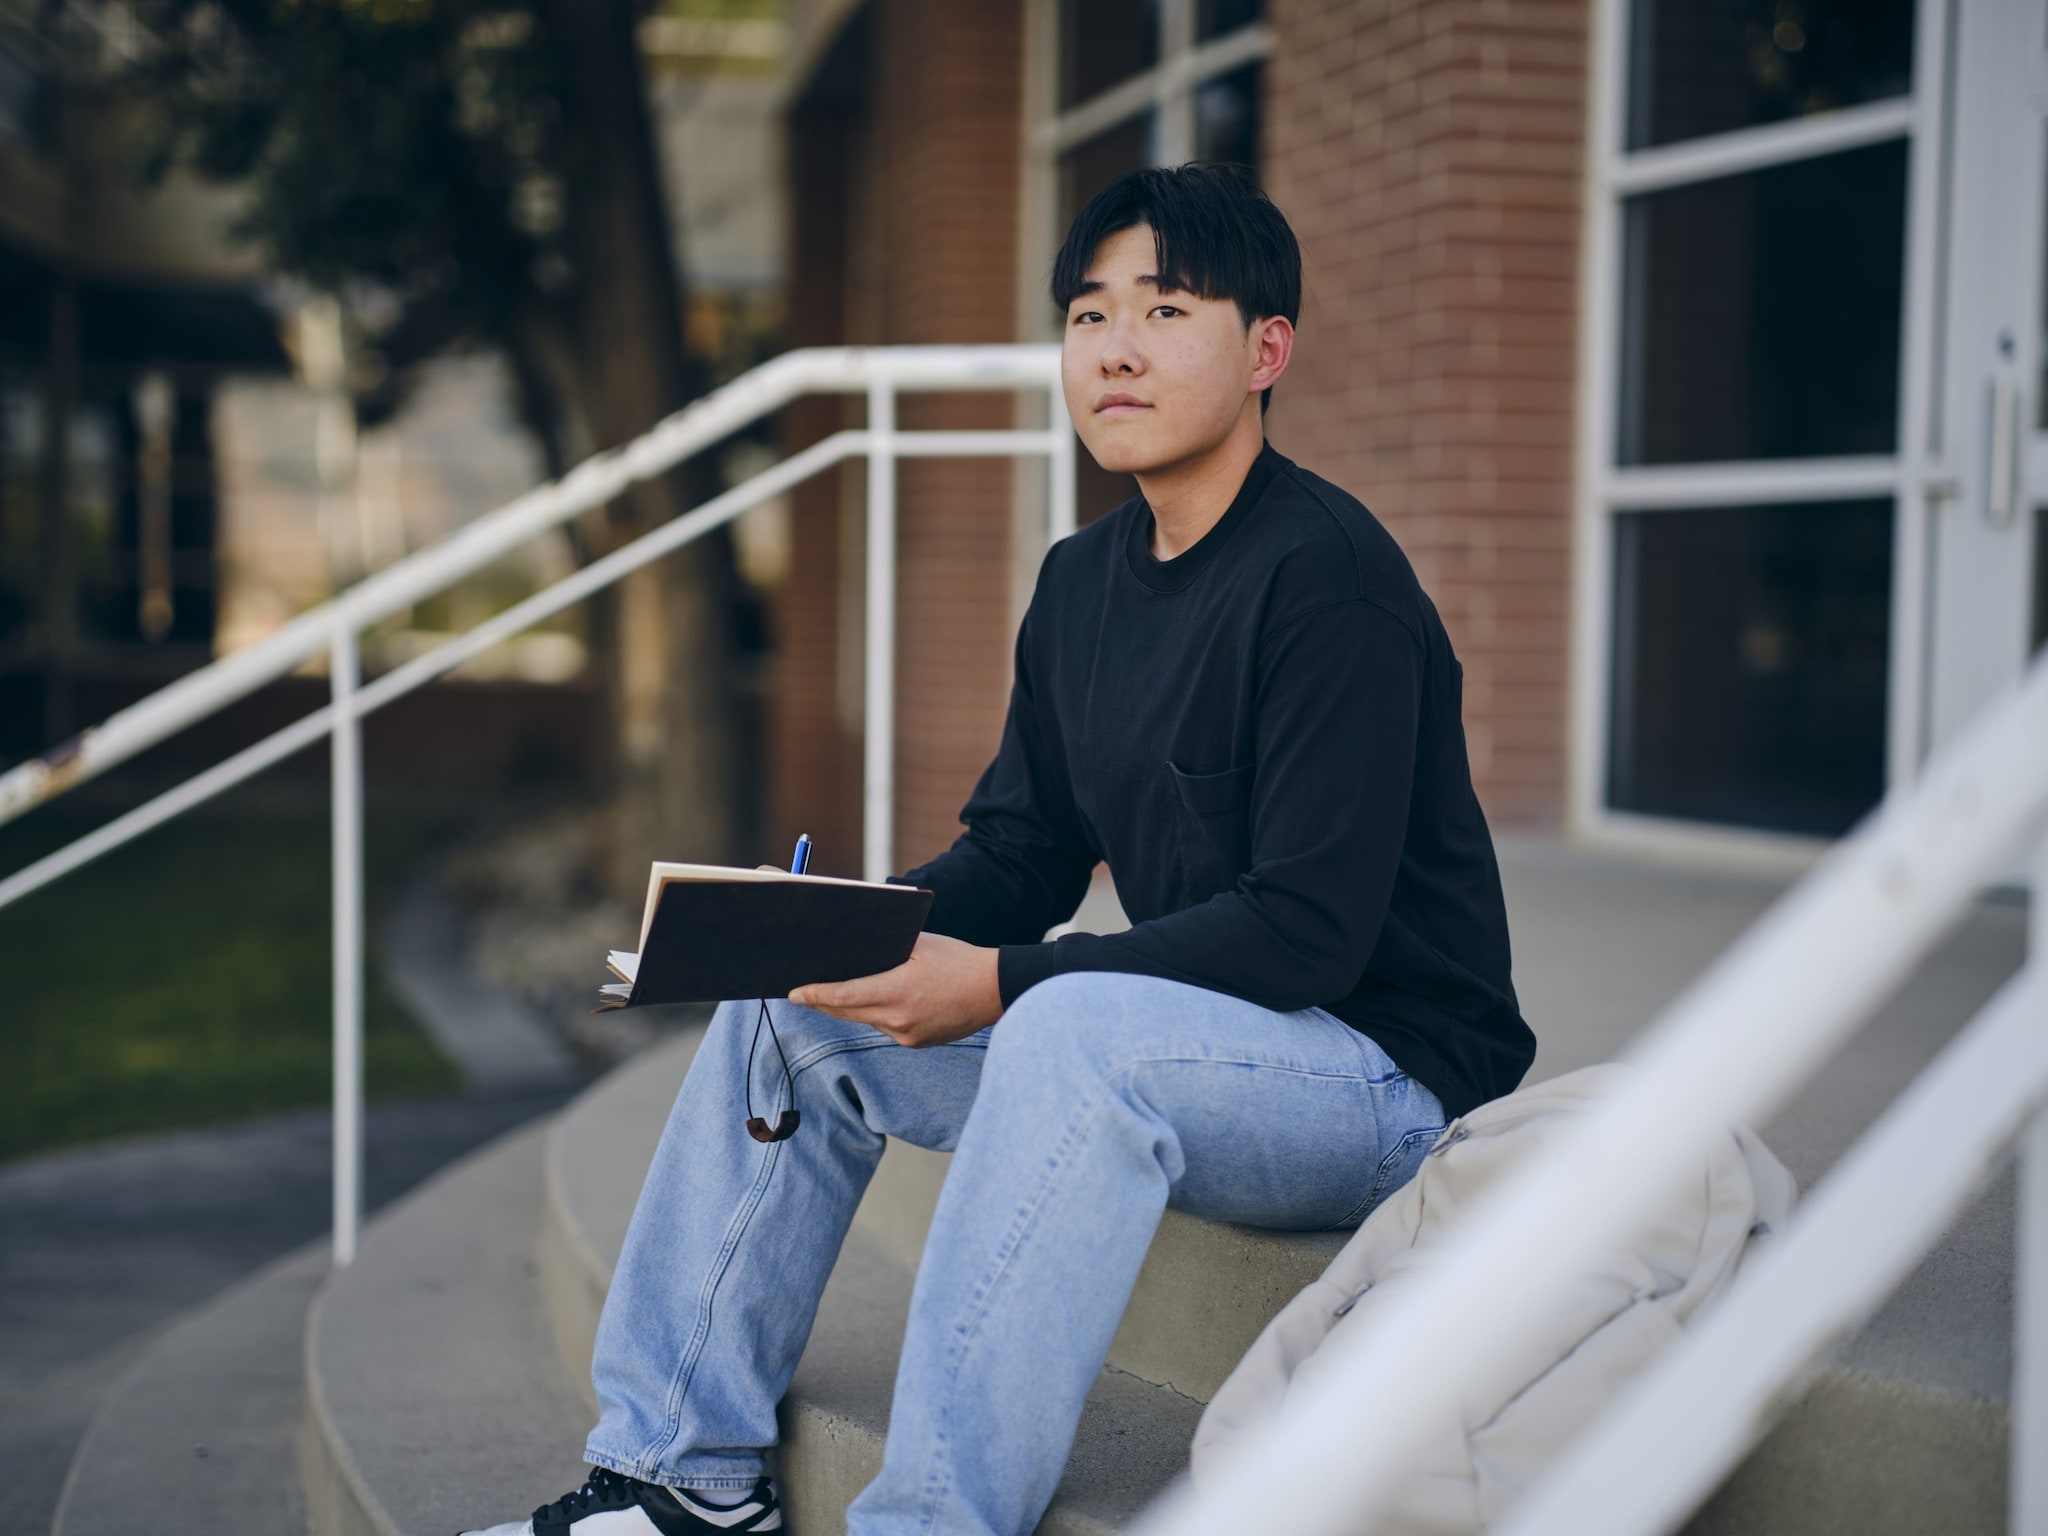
(1190, 498)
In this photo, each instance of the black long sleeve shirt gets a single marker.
(1262, 738)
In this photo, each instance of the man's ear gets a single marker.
(1273, 342)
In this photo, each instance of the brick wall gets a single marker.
(905, 177)
(1429, 154)
(813, 759)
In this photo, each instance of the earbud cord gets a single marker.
(751, 1047)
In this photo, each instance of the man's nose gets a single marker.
(1119, 354)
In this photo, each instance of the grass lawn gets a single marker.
(185, 979)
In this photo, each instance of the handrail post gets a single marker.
(1060, 468)
(2028, 1448)
(878, 779)
(2028, 1434)
(344, 676)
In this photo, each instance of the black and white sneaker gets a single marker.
(614, 1505)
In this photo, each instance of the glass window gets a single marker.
(2037, 634)
(1708, 66)
(1760, 317)
(1213, 18)
(1750, 654)
(1103, 43)
(24, 103)
(1090, 166)
(21, 452)
(2041, 325)
(1227, 117)
(102, 520)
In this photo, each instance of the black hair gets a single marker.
(1214, 234)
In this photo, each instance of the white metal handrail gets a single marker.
(1732, 1048)
(874, 371)
(881, 373)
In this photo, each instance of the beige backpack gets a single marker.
(1536, 1398)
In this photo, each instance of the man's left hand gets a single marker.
(945, 991)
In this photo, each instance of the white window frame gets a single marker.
(1168, 88)
(1910, 476)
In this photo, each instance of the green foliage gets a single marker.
(185, 980)
(408, 146)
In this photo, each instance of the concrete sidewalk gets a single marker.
(100, 1248)
(1603, 942)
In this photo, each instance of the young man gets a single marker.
(1231, 689)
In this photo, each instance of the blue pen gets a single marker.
(802, 861)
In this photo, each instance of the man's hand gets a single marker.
(945, 991)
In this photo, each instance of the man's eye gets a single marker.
(1168, 309)
(1087, 314)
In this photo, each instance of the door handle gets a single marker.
(2001, 501)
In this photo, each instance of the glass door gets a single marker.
(1756, 297)
(1987, 606)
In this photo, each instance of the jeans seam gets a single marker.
(693, 1352)
(965, 1332)
(1127, 1063)
(1383, 1173)
(649, 1472)
(679, 1386)
(830, 1048)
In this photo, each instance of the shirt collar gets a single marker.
(1175, 574)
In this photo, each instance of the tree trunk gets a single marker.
(674, 706)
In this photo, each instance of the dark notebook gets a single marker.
(710, 933)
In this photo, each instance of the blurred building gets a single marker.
(1691, 348)
(183, 462)
(123, 311)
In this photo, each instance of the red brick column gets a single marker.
(813, 760)
(948, 114)
(915, 243)
(1429, 154)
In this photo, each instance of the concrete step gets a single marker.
(1133, 1438)
(1864, 1450)
(1134, 1434)
(1204, 1293)
(190, 1440)
(434, 1397)
(1206, 1289)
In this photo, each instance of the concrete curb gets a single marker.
(433, 1398)
(185, 1429)
(339, 1501)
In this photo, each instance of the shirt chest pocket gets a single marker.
(1214, 824)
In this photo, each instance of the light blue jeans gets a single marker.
(1096, 1101)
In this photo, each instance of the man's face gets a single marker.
(1156, 377)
